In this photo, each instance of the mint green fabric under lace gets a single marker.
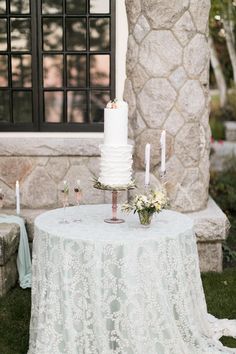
(23, 257)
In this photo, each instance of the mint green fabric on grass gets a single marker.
(23, 257)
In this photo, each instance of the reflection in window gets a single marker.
(100, 70)
(20, 6)
(22, 107)
(76, 107)
(20, 34)
(75, 6)
(99, 6)
(3, 71)
(55, 62)
(2, 6)
(53, 107)
(3, 34)
(76, 34)
(76, 70)
(4, 107)
(52, 7)
(98, 102)
(52, 70)
(99, 34)
(52, 34)
(21, 70)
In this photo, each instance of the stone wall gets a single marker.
(167, 88)
(9, 241)
(41, 165)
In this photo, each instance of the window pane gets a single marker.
(22, 107)
(2, 6)
(3, 34)
(52, 34)
(20, 34)
(52, 70)
(76, 70)
(98, 100)
(53, 107)
(3, 70)
(99, 6)
(76, 107)
(20, 6)
(4, 106)
(100, 70)
(75, 6)
(99, 34)
(76, 34)
(21, 70)
(52, 6)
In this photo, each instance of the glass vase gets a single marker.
(145, 217)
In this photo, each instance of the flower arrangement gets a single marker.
(113, 104)
(117, 104)
(147, 205)
(101, 186)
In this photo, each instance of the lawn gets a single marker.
(14, 322)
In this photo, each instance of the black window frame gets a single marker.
(38, 124)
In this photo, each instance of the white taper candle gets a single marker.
(163, 151)
(17, 197)
(147, 163)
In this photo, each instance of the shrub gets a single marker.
(223, 190)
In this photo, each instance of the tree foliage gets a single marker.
(222, 18)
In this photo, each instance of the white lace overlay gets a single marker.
(119, 289)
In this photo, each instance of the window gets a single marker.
(57, 64)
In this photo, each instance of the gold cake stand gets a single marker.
(114, 190)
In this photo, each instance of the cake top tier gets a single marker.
(116, 123)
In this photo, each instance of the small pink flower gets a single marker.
(221, 142)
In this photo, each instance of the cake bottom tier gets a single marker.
(116, 165)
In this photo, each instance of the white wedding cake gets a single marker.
(116, 153)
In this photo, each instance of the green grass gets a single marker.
(14, 322)
(220, 290)
(223, 191)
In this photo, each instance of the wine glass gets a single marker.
(65, 200)
(78, 196)
(1, 198)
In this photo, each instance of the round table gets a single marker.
(118, 289)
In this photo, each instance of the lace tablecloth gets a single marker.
(119, 289)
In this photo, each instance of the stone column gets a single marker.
(167, 88)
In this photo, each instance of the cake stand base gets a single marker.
(114, 221)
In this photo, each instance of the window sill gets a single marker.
(50, 144)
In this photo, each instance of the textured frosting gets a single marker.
(116, 165)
